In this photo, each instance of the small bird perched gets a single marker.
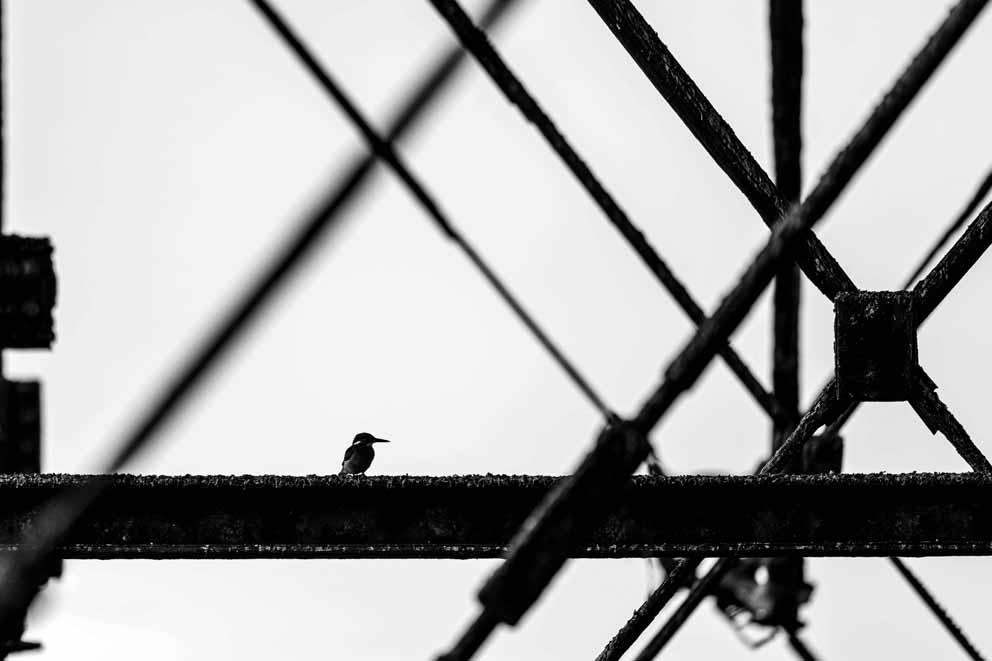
(359, 455)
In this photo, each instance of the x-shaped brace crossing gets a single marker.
(717, 137)
(720, 141)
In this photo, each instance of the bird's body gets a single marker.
(359, 455)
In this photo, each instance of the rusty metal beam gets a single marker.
(475, 516)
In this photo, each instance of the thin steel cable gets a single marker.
(956, 224)
(475, 41)
(948, 272)
(937, 417)
(56, 517)
(385, 151)
(941, 614)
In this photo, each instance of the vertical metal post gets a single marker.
(786, 23)
(786, 31)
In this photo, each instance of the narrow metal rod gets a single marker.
(956, 224)
(799, 647)
(385, 151)
(699, 591)
(815, 417)
(937, 417)
(683, 571)
(938, 610)
(824, 410)
(489, 59)
(696, 355)
(949, 271)
(668, 77)
(931, 291)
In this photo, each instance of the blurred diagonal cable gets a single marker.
(324, 216)
(386, 152)
(56, 518)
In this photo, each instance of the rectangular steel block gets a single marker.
(875, 350)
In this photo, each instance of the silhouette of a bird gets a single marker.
(359, 455)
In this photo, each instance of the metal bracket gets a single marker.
(875, 346)
(20, 426)
(27, 292)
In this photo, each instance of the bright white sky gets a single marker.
(165, 147)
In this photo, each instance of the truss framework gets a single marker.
(559, 518)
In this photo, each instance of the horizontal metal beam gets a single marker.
(475, 516)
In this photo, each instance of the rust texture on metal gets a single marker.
(537, 523)
(477, 516)
(875, 345)
(701, 118)
(517, 94)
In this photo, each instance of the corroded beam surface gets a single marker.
(475, 516)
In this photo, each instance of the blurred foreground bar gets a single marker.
(475, 516)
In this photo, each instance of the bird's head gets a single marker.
(365, 438)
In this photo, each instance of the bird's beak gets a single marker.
(380, 440)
